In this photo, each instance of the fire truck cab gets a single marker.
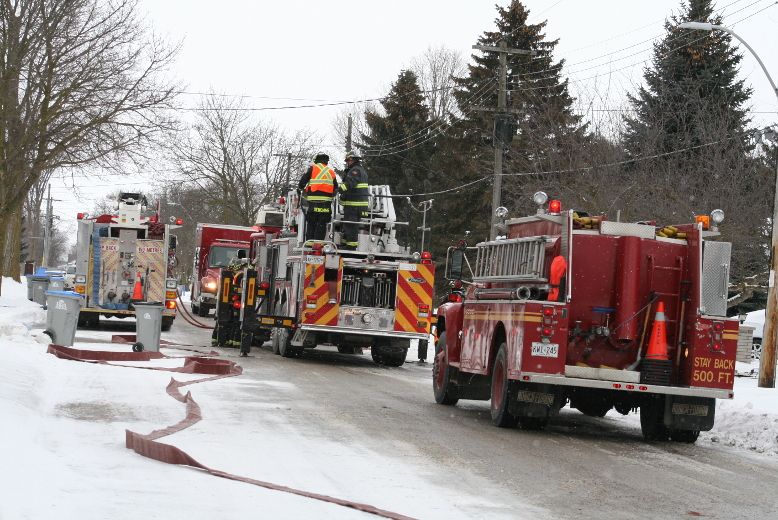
(593, 334)
(311, 293)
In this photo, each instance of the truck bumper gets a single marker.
(366, 332)
(690, 391)
(122, 313)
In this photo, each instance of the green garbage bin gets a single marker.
(148, 326)
(62, 309)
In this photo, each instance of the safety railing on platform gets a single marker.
(517, 259)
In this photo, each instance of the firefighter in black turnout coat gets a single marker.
(354, 196)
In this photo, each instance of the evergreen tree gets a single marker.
(398, 147)
(542, 127)
(692, 112)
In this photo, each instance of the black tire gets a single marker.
(51, 335)
(652, 425)
(345, 349)
(285, 348)
(137, 347)
(202, 310)
(445, 391)
(167, 323)
(686, 436)
(594, 409)
(195, 308)
(533, 423)
(501, 392)
(390, 359)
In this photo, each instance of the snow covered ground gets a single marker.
(63, 453)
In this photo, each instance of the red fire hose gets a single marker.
(188, 317)
(148, 446)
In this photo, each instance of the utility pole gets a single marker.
(47, 231)
(500, 116)
(769, 341)
(348, 133)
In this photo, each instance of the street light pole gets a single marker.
(769, 340)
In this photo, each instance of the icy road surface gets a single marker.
(339, 425)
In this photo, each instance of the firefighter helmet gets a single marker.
(321, 157)
(352, 155)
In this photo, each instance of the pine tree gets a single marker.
(692, 113)
(542, 128)
(398, 147)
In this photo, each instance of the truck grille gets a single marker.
(371, 289)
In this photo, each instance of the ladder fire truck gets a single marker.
(310, 293)
(559, 311)
(125, 258)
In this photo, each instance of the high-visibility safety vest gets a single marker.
(322, 180)
(556, 277)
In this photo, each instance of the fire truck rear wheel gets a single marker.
(167, 323)
(687, 436)
(285, 347)
(389, 358)
(202, 310)
(652, 425)
(502, 391)
(444, 389)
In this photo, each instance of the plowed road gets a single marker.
(378, 433)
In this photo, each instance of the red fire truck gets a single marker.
(215, 247)
(125, 258)
(312, 293)
(559, 311)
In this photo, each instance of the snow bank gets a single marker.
(749, 421)
(756, 319)
(18, 314)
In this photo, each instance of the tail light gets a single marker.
(424, 311)
(264, 285)
(455, 297)
(546, 332)
(716, 333)
(426, 258)
(310, 303)
(170, 304)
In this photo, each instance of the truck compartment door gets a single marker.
(413, 304)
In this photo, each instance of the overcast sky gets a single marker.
(281, 53)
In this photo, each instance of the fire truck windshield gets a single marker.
(222, 256)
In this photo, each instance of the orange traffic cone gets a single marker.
(657, 344)
(137, 291)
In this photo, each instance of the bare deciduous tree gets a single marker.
(234, 161)
(435, 70)
(80, 82)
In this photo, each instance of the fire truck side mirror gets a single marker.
(455, 261)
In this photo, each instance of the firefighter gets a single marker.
(318, 186)
(354, 198)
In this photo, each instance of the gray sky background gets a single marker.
(294, 52)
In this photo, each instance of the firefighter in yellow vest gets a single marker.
(318, 185)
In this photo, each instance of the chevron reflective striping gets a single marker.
(317, 290)
(414, 288)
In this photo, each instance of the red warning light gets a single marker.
(555, 207)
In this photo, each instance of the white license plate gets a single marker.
(540, 349)
(700, 410)
(527, 396)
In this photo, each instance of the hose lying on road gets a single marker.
(148, 446)
(188, 317)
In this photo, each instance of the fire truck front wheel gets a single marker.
(442, 386)
(502, 391)
(388, 356)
